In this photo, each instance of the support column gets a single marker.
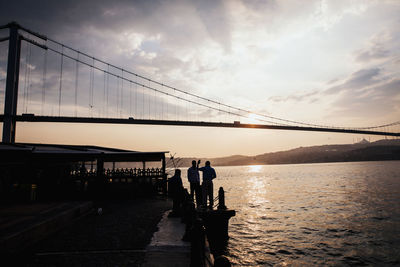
(11, 94)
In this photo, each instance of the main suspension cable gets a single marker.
(236, 109)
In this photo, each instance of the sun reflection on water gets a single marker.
(255, 168)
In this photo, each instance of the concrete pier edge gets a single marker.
(167, 248)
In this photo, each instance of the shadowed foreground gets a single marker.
(118, 237)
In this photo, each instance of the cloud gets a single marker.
(367, 92)
(179, 23)
(215, 18)
(375, 48)
(308, 96)
(378, 101)
(374, 52)
(259, 5)
(372, 93)
(358, 79)
(159, 39)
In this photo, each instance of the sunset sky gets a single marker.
(322, 62)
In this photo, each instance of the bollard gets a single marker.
(221, 197)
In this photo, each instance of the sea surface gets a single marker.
(329, 214)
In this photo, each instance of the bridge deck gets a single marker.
(63, 119)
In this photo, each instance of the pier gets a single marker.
(75, 204)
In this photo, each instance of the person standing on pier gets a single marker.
(208, 189)
(194, 180)
(175, 189)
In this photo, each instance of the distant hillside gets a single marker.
(363, 151)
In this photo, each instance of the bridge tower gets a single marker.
(11, 93)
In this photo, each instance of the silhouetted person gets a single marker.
(208, 175)
(175, 189)
(194, 180)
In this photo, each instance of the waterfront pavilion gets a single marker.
(32, 172)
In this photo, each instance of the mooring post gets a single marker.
(11, 94)
(221, 198)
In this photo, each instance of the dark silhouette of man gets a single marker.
(194, 180)
(208, 188)
(175, 189)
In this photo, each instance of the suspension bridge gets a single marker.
(47, 81)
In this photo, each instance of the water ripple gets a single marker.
(314, 214)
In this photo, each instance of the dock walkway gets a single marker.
(166, 247)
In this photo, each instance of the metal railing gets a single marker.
(120, 172)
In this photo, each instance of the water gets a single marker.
(313, 214)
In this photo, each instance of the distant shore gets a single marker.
(381, 150)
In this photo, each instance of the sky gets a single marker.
(321, 62)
